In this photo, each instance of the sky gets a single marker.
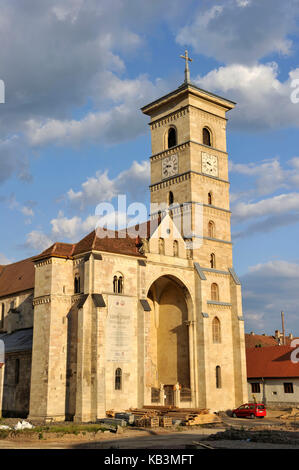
(77, 72)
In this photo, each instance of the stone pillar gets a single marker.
(2, 372)
(84, 372)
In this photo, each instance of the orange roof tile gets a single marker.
(252, 341)
(17, 277)
(272, 361)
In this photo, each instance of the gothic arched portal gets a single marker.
(169, 332)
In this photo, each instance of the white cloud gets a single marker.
(38, 241)
(263, 101)
(101, 188)
(121, 122)
(240, 31)
(267, 289)
(274, 205)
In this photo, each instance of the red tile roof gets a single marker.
(272, 361)
(115, 243)
(17, 277)
(252, 341)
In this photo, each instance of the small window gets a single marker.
(218, 377)
(214, 292)
(17, 371)
(210, 198)
(213, 261)
(288, 387)
(172, 140)
(170, 198)
(211, 229)
(77, 284)
(206, 137)
(161, 246)
(118, 379)
(118, 284)
(255, 387)
(216, 330)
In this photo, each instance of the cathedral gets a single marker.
(120, 322)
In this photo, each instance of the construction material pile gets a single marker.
(165, 416)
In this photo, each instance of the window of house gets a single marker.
(216, 330)
(172, 140)
(288, 387)
(255, 387)
(218, 377)
(118, 379)
(210, 198)
(206, 137)
(214, 292)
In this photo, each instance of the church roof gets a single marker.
(147, 109)
(16, 277)
(19, 276)
(117, 242)
(273, 361)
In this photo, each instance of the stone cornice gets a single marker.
(183, 177)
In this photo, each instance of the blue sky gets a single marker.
(72, 135)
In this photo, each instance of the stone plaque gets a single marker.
(119, 329)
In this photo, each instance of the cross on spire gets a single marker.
(187, 60)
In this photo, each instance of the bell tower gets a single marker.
(189, 165)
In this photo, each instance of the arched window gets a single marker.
(171, 137)
(77, 284)
(210, 198)
(213, 261)
(175, 248)
(118, 284)
(216, 331)
(211, 229)
(161, 246)
(218, 377)
(206, 137)
(170, 198)
(118, 379)
(214, 292)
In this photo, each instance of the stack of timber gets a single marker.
(165, 416)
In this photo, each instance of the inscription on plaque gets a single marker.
(119, 329)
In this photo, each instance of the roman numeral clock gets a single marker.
(170, 166)
(209, 164)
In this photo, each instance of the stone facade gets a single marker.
(126, 324)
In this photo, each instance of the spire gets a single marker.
(187, 60)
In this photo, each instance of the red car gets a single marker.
(251, 410)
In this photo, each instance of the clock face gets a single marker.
(170, 166)
(209, 164)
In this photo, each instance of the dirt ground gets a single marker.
(280, 430)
